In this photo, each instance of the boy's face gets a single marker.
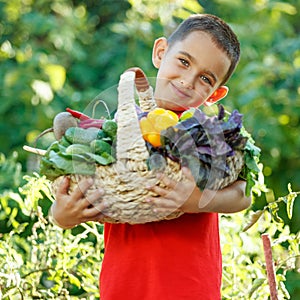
(190, 71)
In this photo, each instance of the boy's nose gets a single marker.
(187, 84)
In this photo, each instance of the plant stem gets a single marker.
(37, 151)
(270, 266)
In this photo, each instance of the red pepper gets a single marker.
(77, 114)
(85, 121)
(92, 123)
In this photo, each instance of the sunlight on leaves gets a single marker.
(284, 7)
(42, 90)
(290, 199)
(57, 76)
(253, 219)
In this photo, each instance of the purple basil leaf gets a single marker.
(221, 148)
(200, 116)
(221, 114)
(204, 150)
(188, 124)
(234, 121)
(142, 114)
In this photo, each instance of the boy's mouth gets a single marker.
(182, 93)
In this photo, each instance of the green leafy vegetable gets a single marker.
(78, 152)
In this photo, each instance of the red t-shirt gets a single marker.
(176, 259)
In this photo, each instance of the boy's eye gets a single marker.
(204, 78)
(184, 62)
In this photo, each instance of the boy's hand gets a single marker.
(71, 209)
(187, 197)
(184, 196)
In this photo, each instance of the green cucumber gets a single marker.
(99, 147)
(77, 135)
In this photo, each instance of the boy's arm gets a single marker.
(71, 209)
(187, 197)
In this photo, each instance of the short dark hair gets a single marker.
(222, 35)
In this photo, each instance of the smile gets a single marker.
(180, 92)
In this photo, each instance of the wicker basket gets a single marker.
(125, 181)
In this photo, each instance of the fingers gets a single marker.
(95, 197)
(172, 184)
(159, 190)
(169, 183)
(79, 191)
(167, 202)
(90, 213)
(82, 187)
(63, 187)
(80, 204)
(91, 208)
(173, 195)
(167, 186)
(163, 206)
(96, 206)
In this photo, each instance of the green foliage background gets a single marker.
(63, 53)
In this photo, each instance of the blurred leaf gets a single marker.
(74, 280)
(290, 199)
(57, 76)
(274, 208)
(253, 219)
(256, 284)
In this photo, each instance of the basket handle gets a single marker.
(144, 89)
(141, 81)
(131, 148)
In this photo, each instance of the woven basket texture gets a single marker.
(126, 180)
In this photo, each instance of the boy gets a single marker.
(180, 258)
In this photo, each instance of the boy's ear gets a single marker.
(218, 94)
(159, 48)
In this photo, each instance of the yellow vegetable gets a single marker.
(156, 121)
